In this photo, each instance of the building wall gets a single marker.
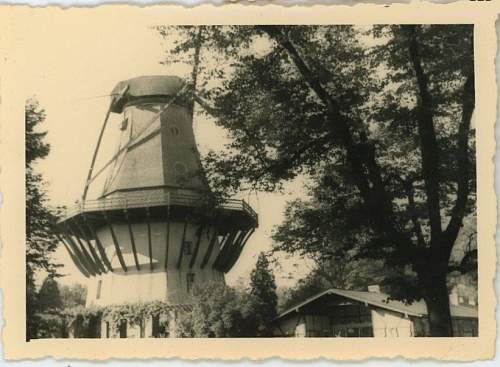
(287, 327)
(462, 327)
(158, 284)
(389, 324)
(421, 326)
(384, 323)
(465, 327)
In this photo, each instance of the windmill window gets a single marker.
(99, 286)
(189, 281)
(188, 247)
(175, 130)
(124, 124)
(180, 168)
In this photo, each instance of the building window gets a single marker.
(189, 281)
(351, 314)
(160, 327)
(142, 327)
(156, 326)
(188, 247)
(353, 332)
(107, 329)
(339, 332)
(366, 331)
(99, 286)
(123, 329)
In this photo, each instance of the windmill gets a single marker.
(153, 231)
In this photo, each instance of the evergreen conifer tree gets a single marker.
(263, 291)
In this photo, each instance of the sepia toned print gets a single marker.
(274, 181)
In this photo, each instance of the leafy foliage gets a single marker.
(46, 319)
(49, 297)
(51, 325)
(336, 272)
(73, 295)
(305, 288)
(219, 311)
(379, 118)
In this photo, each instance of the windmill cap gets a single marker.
(144, 86)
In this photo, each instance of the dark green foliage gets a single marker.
(337, 244)
(340, 273)
(263, 292)
(51, 324)
(305, 288)
(73, 295)
(379, 119)
(49, 297)
(219, 311)
(47, 319)
(40, 240)
(31, 304)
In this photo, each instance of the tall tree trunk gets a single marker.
(437, 300)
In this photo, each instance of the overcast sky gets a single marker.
(72, 77)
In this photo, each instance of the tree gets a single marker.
(313, 228)
(40, 240)
(219, 311)
(381, 117)
(263, 291)
(73, 295)
(305, 288)
(48, 319)
(336, 272)
(49, 297)
(31, 303)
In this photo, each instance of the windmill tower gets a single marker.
(151, 234)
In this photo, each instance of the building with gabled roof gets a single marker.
(346, 313)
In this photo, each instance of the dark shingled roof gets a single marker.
(381, 300)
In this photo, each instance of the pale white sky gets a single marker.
(71, 78)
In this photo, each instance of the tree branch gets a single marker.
(206, 106)
(338, 123)
(196, 63)
(311, 79)
(366, 171)
(428, 143)
(214, 112)
(463, 176)
(413, 213)
(410, 194)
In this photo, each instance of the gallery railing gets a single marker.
(140, 200)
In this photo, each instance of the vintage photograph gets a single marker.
(261, 181)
